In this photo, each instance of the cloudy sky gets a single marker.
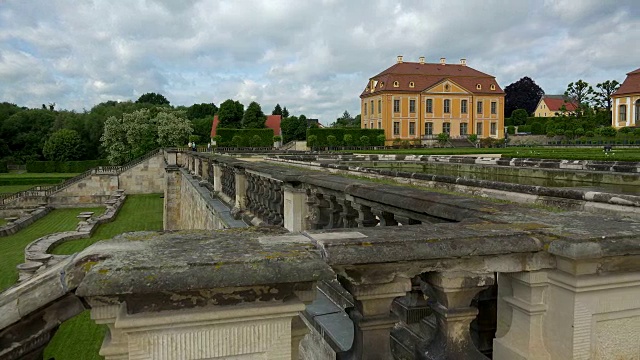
(312, 56)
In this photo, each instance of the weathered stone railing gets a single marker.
(24, 221)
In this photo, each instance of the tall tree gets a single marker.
(230, 115)
(201, 111)
(346, 120)
(581, 94)
(293, 128)
(253, 117)
(522, 94)
(173, 129)
(602, 96)
(63, 145)
(285, 112)
(277, 110)
(153, 98)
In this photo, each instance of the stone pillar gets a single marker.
(171, 157)
(115, 345)
(521, 309)
(171, 213)
(241, 190)
(295, 209)
(196, 166)
(450, 298)
(217, 177)
(372, 317)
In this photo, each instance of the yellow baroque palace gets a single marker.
(419, 100)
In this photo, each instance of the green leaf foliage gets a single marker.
(64, 166)
(153, 98)
(230, 115)
(63, 145)
(322, 136)
(253, 117)
(294, 128)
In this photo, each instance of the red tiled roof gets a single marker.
(555, 104)
(630, 85)
(426, 75)
(272, 122)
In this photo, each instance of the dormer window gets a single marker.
(382, 84)
(493, 87)
(478, 87)
(446, 87)
(412, 84)
(396, 84)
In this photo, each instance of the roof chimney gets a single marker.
(443, 61)
(399, 59)
(463, 62)
(421, 59)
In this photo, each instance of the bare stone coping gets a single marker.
(24, 221)
(145, 262)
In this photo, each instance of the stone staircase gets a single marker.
(461, 143)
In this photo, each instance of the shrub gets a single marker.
(636, 132)
(331, 140)
(589, 133)
(3, 167)
(608, 131)
(237, 141)
(537, 128)
(63, 166)
(511, 130)
(312, 141)
(568, 134)
(347, 140)
(255, 141)
(625, 130)
(364, 140)
(339, 134)
(443, 138)
(381, 138)
(277, 138)
(194, 139)
(579, 131)
(473, 138)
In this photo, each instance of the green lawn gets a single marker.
(524, 152)
(33, 179)
(14, 188)
(12, 175)
(12, 247)
(80, 337)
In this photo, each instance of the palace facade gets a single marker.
(419, 100)
(626, 102)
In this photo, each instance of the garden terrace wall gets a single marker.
(23, 221)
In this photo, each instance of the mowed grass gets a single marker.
(14, 175)
(522, 152)
(14, 188)
(80, 337)
(12, 247)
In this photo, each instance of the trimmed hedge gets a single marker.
(356, 134)
(3, 167)
(33, 180)
(64, 166)
(245, 137)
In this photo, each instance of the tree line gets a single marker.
(122, 130)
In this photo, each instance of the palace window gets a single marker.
(494, 107)
(412, 128)
(479, 129)
(447, 106)
(494, 128)
(463, 128)
(396, 84)
(371, 107)
(463, 106)
(479, 107)
(429, 106)
(379, 106)
(365, 108)
(396, 128)
(493, 87)
(623, 113)
(396, 106)
(379, 124)
(411, 84)
(446, 128)
(478, 87)
(428, 128)
(412, 106)
(637, 117)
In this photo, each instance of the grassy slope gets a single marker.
(36, 175)
(80, 338)
(14, 188)
(12, 247)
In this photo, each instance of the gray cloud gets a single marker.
(312, 56)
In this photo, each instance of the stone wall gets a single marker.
(144, 178)
(190, 206)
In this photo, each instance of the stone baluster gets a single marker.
(372, 317)
(277, 203)
(204, 170)
(450, 295)
(318, 211)
(386, 218)
(251, 193)
(405, 220)
(335, 209)
(348, 214)
(262, 193)
(365, 216)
